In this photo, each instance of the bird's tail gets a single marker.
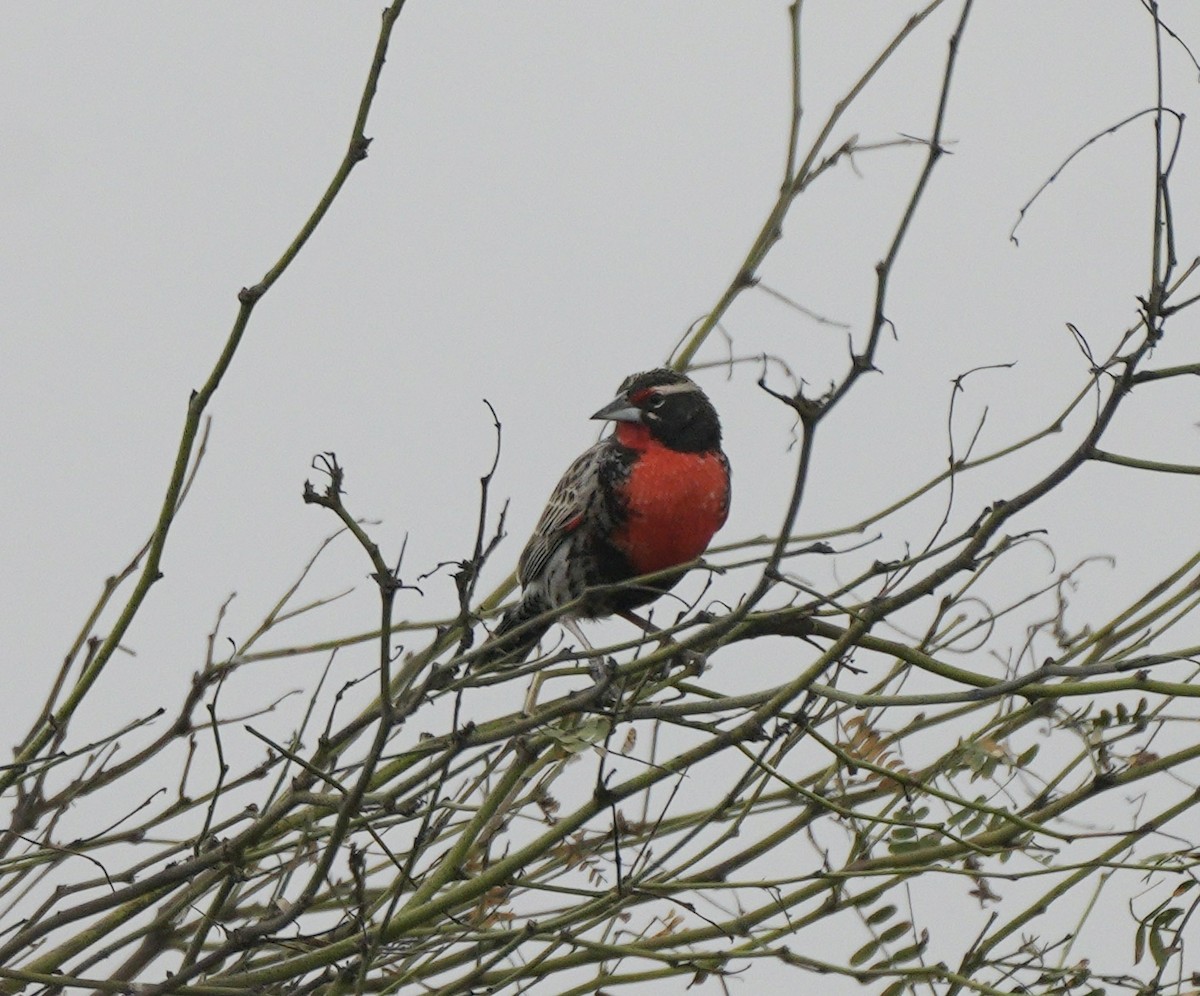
(514, 647)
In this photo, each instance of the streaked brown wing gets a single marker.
(569, 503)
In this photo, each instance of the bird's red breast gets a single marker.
(674, 502)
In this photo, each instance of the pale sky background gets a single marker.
(554, 193)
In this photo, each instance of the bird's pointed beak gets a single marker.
(620, 409)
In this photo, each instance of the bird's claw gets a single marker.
(691, 662)
(602, 669)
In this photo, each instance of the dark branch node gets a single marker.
(328, 465)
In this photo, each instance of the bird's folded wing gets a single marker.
(572, 500)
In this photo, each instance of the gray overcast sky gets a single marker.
(554, 193)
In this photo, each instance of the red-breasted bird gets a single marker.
(646, 498)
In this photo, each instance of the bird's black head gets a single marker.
(672, 408)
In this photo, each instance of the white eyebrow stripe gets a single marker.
(683, 388)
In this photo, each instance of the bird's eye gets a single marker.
(656, 402)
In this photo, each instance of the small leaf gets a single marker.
(1158, 950)
(1167, 917)
(895, 932)
(881, 914)
(585, 735)
(865, 952)
(912, 952)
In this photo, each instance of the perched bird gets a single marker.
(644, 499)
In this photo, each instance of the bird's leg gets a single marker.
(596, 665)
(572, 626)
(692, 659)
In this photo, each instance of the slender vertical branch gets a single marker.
(248, 297)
